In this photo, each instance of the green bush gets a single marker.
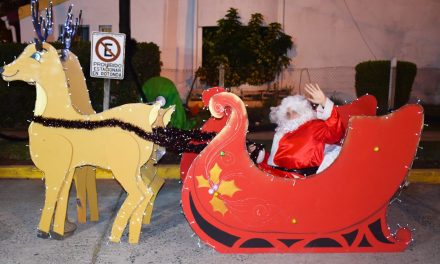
(373, 77)
(146, 61)
(18, 98)
(253, 54)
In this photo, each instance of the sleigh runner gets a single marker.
(237, 208)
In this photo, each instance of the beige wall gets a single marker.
(95, 13)
(327, 33)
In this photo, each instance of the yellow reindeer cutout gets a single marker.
(85, 176)
(68, 138)
(57, 151)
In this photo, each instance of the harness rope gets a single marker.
(173, 139)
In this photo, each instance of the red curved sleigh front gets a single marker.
(237, 208)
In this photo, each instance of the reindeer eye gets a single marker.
(36, 56)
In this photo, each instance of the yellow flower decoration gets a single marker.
(217, 188)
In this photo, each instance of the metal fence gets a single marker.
(338, 82)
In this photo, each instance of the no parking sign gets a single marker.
(107, 60)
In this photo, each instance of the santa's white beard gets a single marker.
(287, 125)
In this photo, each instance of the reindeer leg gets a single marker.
(53, 184)
(61, 207)
(127, 177)
(155, 187)
(92, 195)
(148, 172)
(154, 182)
(126, 169)
(134, 197)
(55, 155)
(81, 192)
(85, 183)
(137, 217)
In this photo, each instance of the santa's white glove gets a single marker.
(261, 155)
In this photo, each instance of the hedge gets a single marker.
(373, 77)
(18, 98)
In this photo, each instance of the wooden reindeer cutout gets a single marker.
(61, 139)
(84, 177)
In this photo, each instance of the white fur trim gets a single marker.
(331, 152)
(161, 100)
(325, 112)
(276, 140)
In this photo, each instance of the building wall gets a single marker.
(95, 13)
(171, 25)
(327, 33)
(342, 33)
(338, 33)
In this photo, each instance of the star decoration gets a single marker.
(218, 188)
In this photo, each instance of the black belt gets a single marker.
(304, 171)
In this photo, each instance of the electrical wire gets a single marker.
(359, 30)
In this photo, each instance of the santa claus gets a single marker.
(304, 137)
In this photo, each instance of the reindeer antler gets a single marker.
(69, 29)
(42, 25)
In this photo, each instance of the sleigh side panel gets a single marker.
(228, 191)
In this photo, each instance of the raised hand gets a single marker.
(315, 94)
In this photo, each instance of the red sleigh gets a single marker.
(237, 208)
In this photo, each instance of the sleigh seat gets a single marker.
(363, 106)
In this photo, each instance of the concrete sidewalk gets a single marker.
(169, 238)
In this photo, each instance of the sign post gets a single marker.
(392, 85)
(107, 60)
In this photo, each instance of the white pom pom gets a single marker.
(161, 100)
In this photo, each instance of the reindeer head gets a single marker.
(32, 64)
(37, 58)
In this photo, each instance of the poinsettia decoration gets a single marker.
(217, 188)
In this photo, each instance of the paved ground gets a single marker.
(169, 238)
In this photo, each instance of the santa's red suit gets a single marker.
(303, 147)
